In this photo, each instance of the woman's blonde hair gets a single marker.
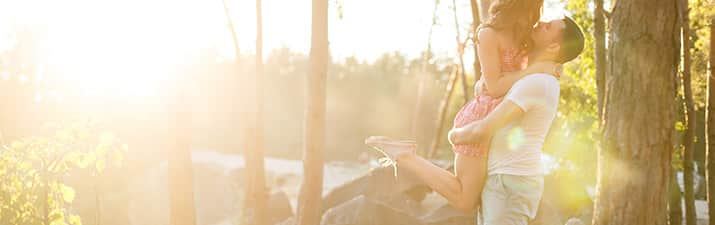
(517, 17)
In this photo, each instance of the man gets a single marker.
(515, 132)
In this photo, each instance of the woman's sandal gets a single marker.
(392, 149)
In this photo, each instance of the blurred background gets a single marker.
(115, 64)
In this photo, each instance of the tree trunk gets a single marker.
(476, 22)
(422, 76)
(600, 51)
(484, 9)
(675, 202)
(309, 209)
(458, 70)
(710, 158)
(443, 112)
(180, 172)
(97, 201)
(229, 23)
(460, 52)
(256, 196)
(689, 137)
(252, 142)
(634, 162)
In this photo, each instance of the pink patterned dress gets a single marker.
(482, 104)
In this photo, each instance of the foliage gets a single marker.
(701, 12)
(574, 136)
(32, 191)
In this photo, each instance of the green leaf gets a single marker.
(56, 217)
(679, 126)
(75, 220)
(67, 193)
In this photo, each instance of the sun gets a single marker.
(117, 48)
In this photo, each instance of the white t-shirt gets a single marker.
(516, 148)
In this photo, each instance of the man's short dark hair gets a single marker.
(572, 41)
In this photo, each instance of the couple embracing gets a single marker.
(498, 137)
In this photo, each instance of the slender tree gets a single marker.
(476, 22)
(251, 126)
(457, 70)
(634, 161)
(443, 111)
(422, 76)
(180, 172)
(599, 37)
(309, 208)
(97, 201)
(689, 136)
(229, 23)
(460, 51)
(675, 207)
(710, 155)
(256, 197)
(484, 9)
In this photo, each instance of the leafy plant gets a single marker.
(32, 191)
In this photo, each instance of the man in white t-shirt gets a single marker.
(515, 132)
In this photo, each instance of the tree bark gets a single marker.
(634, 161)
(422, 76)
(484, 9)
(458, 70)
(710, 158)
(97, 201)
(309, 208)
(443, 112)
(256, 197)
(476, 22)
(460, 52)
(689, 136)
(229, 23)
(599, 34)
(180, 172)
(675, 202)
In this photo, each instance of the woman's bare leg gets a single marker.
(462, 188)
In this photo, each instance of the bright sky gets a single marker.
(90, 41)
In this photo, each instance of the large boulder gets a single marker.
(447, 215)
(363, 210)
(279, 207)
(379, 183)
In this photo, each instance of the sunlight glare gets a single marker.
(116, 48)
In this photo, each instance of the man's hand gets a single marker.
(474, 133)
(479, 87)
(480, 132)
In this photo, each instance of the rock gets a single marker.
(379, 197)
(447, 215)
(379, 183)
(365, 211)
(279, 208)
(574, 221)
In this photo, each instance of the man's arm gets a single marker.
(538, 90)
(481, 131)
(507, 79)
